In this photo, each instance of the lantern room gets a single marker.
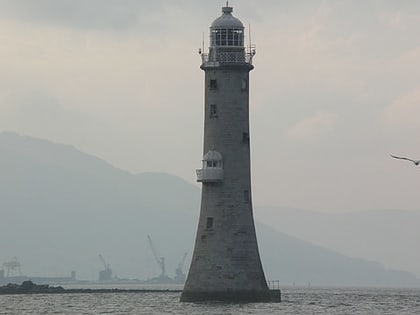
(227, 30)
(227, 42)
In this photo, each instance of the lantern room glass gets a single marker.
(232, 37)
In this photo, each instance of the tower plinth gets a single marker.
(226, 265)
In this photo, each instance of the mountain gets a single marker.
(294, 261)
(61, 208)
(388, 236)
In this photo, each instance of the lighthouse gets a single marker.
(226, 264)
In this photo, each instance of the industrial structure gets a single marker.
(226, 263)
(160, 260)
(106, 273)
(163, 278)
(12, 267)
(11, 273)
(179, 273)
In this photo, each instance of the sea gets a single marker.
(295, 300)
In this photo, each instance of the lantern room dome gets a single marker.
(227, 20)
(213, 155)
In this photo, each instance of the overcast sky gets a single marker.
(335, 90)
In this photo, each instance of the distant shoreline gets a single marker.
(28, 287)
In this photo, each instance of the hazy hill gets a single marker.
(60, 208)
(388, 236)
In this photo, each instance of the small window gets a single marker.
(245, 137)
(244, 85)
(213, 84)
(211, 163)
(209, 223)
(246, 196)
(213, 111)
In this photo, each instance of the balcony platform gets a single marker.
(210, 175)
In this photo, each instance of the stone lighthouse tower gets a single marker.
(226, 263)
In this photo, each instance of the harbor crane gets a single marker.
(11, 266)
(159, 259)
(179, 274)
(106, 274)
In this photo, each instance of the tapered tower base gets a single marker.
(232, 296)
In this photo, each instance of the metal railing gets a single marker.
(273, 284)
(228, 57)
(210, 175)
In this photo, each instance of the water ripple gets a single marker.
(295, 301)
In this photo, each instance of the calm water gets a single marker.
(295, 301)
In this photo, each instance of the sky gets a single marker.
(335, 90)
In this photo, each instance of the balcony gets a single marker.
(210, 175)
(219, 57)
(212, 169)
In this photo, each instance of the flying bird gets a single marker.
(416, 162)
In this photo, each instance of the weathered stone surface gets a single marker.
(229, 296)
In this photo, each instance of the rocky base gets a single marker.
(28, 287)
(266, 296)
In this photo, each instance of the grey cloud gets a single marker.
(42, 113)
(92, 14)
(120, 15)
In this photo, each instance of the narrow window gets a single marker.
(245, 137)
(213, 84)
(244, 85)
(214, 38)
(213, 111)
(219, 39)
(224, 37)
(246, 196)
(230, 37)
(209, 223)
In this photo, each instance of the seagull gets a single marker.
(416, 162)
